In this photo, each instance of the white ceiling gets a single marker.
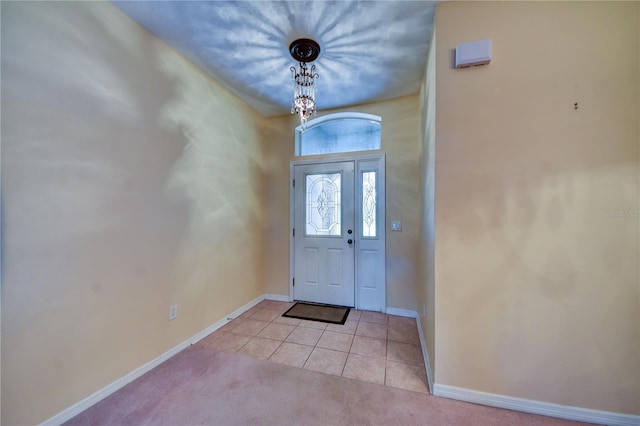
(370, 50)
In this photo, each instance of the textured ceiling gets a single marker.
(371, 50)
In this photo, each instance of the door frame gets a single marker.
(357, 159)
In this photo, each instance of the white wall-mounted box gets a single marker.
(473, 53)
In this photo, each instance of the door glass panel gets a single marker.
(323, 209)
(369, 211)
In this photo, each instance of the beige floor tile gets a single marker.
(371, 329)
(304, 336)
(265, 315)
(248, 313)
(404, 335)
(287, 320)
(277, 331)
(275, 304)
(326, 361)
(229, 342)
(377, 317)
(354, 315)
(365, 368)
(402, 322)
(313, 324)
(405, 376)
(368, 346)
(208, 340)
(336, 341)
(251, 327)
(349, 327)
(259, 347)
(233, 324)
(291, 354)
(404, 352)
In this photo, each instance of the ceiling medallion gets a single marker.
(304, 50)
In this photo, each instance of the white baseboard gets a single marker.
(402, 312)
(101, 394)
(277, 297)
(425, 355)
(536, 407)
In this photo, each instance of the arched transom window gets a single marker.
(340, 132)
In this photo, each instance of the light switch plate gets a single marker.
(396, 225)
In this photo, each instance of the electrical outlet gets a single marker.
(173, 312)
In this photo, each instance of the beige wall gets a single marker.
(400, 135)
(279, 145)
(426, 288)
(130, 182)
(537, 285)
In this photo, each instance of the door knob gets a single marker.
(349, 241)
(349, 231)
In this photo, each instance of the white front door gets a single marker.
(338, 232)
(324, 237)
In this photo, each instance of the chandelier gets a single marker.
(304, 51)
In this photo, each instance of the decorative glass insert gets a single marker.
(340, 132)
(369, 211)
(323, 209)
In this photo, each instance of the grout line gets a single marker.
(344, 366)
(385, 367)
(307, 359)
(275, 350)
(250, 339)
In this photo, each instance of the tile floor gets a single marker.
(370, 346)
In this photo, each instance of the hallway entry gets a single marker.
(337, 220)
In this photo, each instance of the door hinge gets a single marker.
(293, 232)
(294, 183)
(293, 281)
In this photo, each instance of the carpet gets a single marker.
(199, 386)
(317, 312)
